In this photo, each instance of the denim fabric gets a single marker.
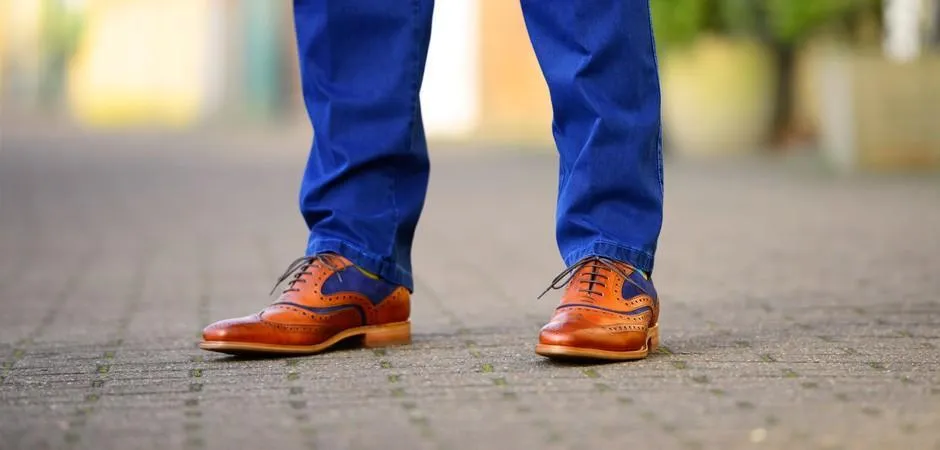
(363, 189)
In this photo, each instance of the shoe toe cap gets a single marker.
(239, 329)
(588, 335)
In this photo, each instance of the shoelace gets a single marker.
(594, 278)
(298, 269)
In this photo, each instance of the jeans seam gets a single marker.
(587, 250)
(415, 29)
(625, 247)
(659, 137)
(384, 267)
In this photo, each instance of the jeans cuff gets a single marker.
(637, 258)
(383, 267)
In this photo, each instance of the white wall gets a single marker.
(450, 95)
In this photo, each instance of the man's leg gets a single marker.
(599, 60)
(364, 186)
(361, 65)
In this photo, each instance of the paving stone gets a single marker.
(800, 308)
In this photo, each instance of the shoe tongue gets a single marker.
(602, 267)
(337, 260)
(592, 267)
(311, 274)
(341, 262)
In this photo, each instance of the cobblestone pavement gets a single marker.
(801, 309)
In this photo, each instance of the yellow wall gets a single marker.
(141, 61)
(151, 62)
(4, 25)
(19, 33)
(515, 100)
(897, 111)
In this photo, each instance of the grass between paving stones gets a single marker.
(416, 416)
(193, 435)
(298, 403)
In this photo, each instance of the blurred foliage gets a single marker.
(792, 21)
(678, 22)
(62, 27)
(786, 22)
(780, 26)
(60, 33)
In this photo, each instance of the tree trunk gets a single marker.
(784, 54)
(936, 23)
(785, 58)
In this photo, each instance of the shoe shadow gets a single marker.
(576, 362)
(348, 344)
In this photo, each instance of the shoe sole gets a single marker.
(372, 336)
(568, 352)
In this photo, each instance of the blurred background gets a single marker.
(856, 81)
(150, 162)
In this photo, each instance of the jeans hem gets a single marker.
(639, 259)
(381, 266)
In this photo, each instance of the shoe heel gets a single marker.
(653, 338)
(387, 335)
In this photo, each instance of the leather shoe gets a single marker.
(609, 311)
(326, 300)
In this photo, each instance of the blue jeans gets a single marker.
(362, 62)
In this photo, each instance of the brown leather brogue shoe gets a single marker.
(327, 300)
(608, 311)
